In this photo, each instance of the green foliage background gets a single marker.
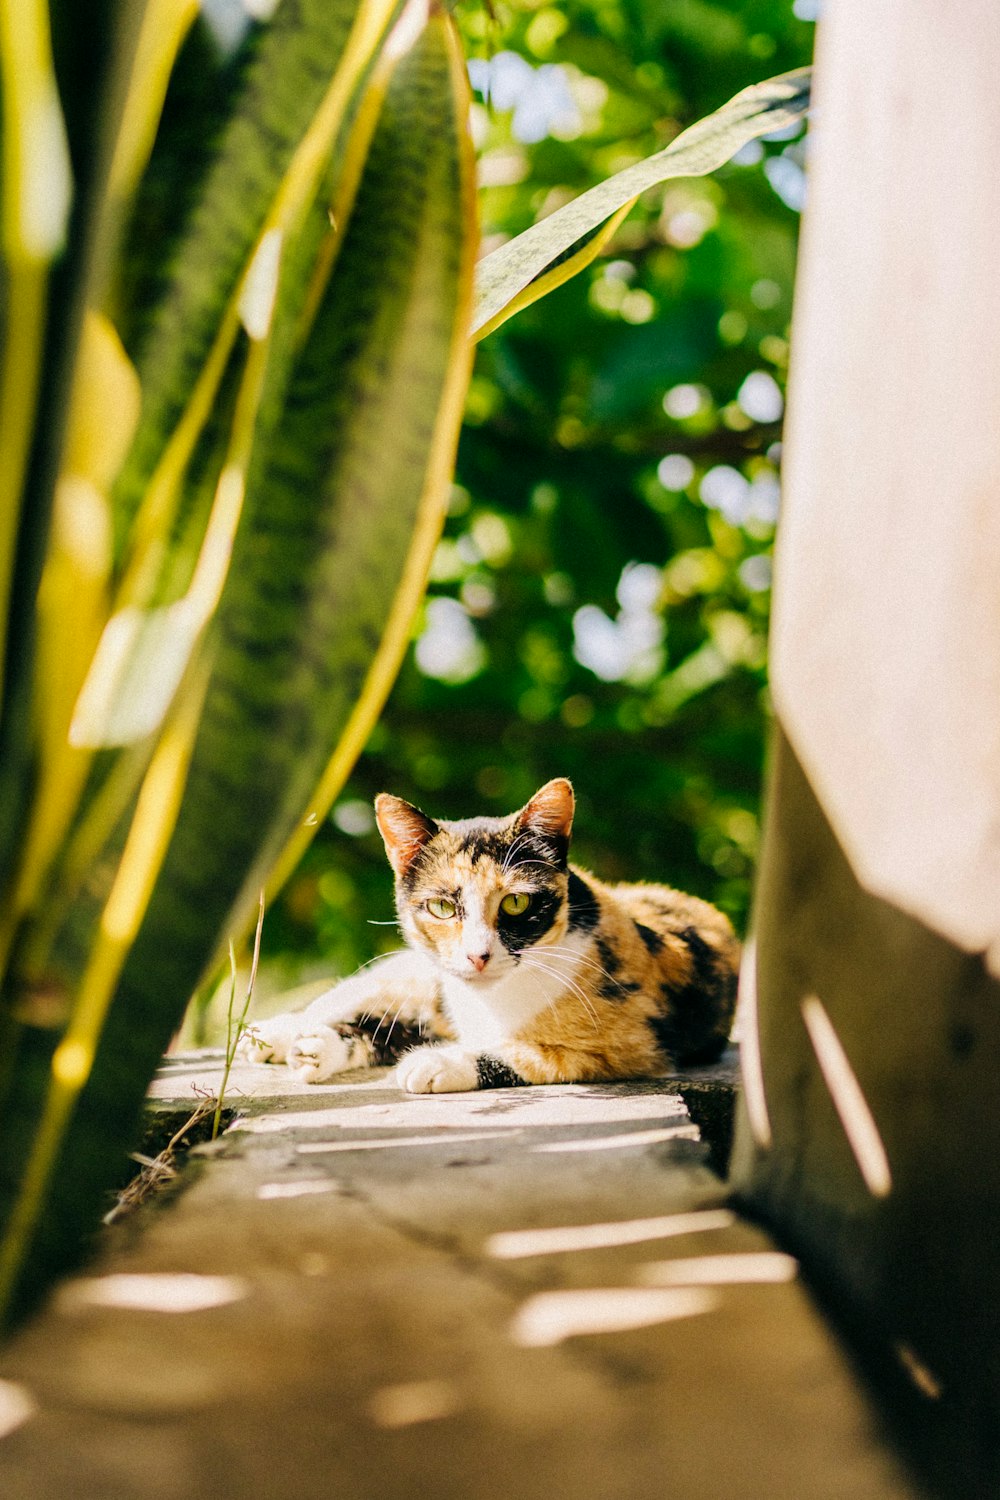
(557, 485)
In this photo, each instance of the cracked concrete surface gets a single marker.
(380, 1316)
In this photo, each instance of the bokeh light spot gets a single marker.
(760, 397)
(675, 471)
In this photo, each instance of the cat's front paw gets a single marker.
(268, 1041)
(438, 1070)
(320, 1052)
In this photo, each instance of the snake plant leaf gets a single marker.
(42, 314)
(296, 79)
(512, 276)
(147, 650)
(346, 489)
(165, 24)
(103, 411)
(345, 500)
(148, 646)
(37, 190)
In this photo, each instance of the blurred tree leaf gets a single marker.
(514, 275)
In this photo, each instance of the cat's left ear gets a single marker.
(404, 829)
(550, 809)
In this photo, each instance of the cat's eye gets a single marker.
(441, 909)
(515, 903)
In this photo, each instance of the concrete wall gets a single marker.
(870, 1135)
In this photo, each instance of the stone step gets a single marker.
(530, 1293)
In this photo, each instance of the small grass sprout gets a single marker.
(236, 1026)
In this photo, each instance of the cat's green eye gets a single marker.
(441, 908)
(515, 904)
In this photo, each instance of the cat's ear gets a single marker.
(404, 829)
(550, 809)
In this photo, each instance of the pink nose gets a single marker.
(478, 961)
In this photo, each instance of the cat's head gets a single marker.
(477, 894)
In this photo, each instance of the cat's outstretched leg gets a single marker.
(324, 1051)
(438, 1070)
(455, 1069)
(362, 1022)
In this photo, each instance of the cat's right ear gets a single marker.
(404, 829)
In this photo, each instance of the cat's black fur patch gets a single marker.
(411, 875)
(584, 907)
(528, 847)
(516, 846)
(618, 989)
(518, 933)
(387, 1040)
(689, 1031)
(558, 846)
(494, 1074)
(610, 987)
(609, 958)
(652, 939)
(485, 845)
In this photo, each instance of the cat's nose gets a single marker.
(478, 961)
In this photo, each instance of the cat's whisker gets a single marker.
(398, 1004)
(369, 961)
(554, 950)
(602, 972)
(591, 962)
(565, 955)
(568, 954)
(532, 962)
(564, 948)
(392, 1023)
(521, 838)
(508, 859)
(581, 995)
(369, 1015)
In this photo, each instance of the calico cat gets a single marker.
(521, 968)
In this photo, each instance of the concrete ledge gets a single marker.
(529, 1293)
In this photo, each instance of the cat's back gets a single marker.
(670, 912)
(674, 952)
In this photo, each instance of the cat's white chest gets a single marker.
(488, 1016)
